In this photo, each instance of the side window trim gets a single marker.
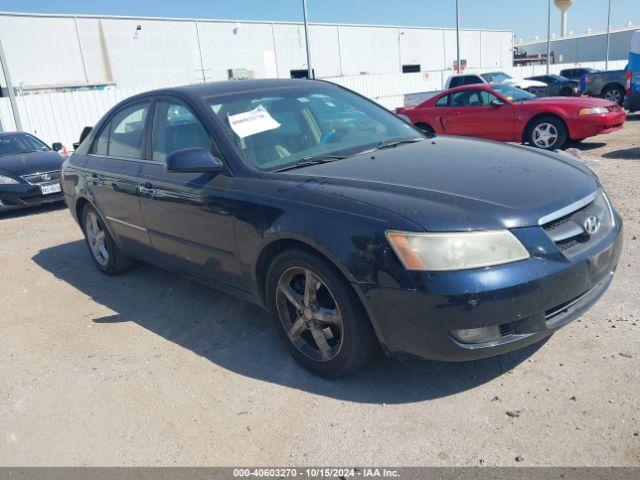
(107, 124)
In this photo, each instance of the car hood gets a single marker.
(525, 83)
(32, 162)
(578, 102)
(454, 183)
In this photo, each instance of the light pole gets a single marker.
(606, 61)
(306, 38)
(458, 34)
(548, 34)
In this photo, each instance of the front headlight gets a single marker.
(593, 110)
(456, 250)
(7, 180)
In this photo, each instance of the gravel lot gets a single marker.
(150, 369)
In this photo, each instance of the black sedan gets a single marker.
(29, 171)
(357, 235)
(559, 86)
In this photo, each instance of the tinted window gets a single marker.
(275, 129)
(175, 127)
(123, 135)
(472, 80)
(471, 98)
(456, 82)
(443, 101)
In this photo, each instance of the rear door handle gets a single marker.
(94, 179)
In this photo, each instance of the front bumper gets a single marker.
(529, 300)
(592, 125)
(24, 195)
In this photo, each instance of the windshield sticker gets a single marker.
(254, 121)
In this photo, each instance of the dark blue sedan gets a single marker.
(356, 231)
(29, 171)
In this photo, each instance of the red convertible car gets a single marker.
(509, 114)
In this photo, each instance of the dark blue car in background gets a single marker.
(29, 171)
(356, 231)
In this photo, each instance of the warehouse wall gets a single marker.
(46, 50)
(586, 48)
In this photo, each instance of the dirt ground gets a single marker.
(150, 369)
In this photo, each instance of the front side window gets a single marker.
(277, 128)
(496, 77)
(175, 127)
(123, 135)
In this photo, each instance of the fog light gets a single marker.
(477, 335)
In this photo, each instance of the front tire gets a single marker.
(106, 255)
(318, 316)
(547, 133)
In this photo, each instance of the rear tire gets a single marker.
(106, 255)
(614, 93)
(318, 315)
(547, 133)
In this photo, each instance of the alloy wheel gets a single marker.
(96, 238)
(545, 135)
(614, 95)
(309, 314)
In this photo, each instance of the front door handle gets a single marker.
(94, 179)
(147, 189)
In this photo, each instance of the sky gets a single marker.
(527, 18)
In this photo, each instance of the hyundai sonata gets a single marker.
(355, 230)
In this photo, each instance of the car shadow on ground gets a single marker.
(585, 145)
(25, 212)
(238, 335)
(632, 153)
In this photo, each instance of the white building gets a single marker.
(53, 52)
(591, 47)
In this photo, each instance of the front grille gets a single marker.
(569, 232)
(44, 177)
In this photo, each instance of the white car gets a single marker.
(533, 86)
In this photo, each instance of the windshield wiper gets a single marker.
(395, 143)
(312, 160)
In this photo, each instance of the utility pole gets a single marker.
(306, 38)
(12, 93)
(606, 61)
(458, 34)
(548, 34)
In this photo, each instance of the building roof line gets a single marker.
(216, 20)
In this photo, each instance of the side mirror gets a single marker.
(57, 146)
(193, 160)
(496, 102)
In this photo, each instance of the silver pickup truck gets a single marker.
(610, 85)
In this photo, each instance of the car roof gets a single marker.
(473, 86)
(210, 89)
(6, 134)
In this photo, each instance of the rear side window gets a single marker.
(456, 82)
(123, 135)
(472, 80)
(443, 101)
(175, 127)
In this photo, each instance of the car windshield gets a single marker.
(20, 143)
(514, 94)
(278, 128)
(496, 77)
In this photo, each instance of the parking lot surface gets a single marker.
(148, 368)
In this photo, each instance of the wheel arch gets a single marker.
(271, 249)
(276, 245)
(537, 116)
